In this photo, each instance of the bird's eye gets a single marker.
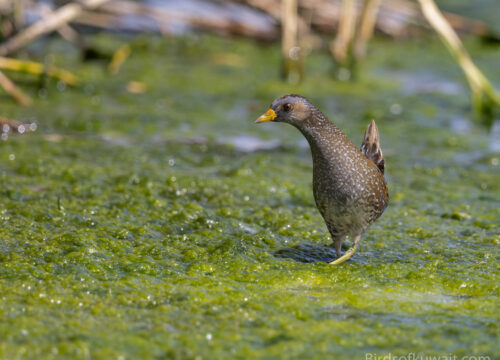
(287, 107)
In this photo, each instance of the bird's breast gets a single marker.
(349, 189)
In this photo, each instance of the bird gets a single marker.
(349, 187)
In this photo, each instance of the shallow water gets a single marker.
(168, 225)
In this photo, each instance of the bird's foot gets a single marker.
(347, 255)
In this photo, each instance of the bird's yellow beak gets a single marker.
(268, 116)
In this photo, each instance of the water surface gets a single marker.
(166, 224)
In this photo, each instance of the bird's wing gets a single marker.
(371, 146)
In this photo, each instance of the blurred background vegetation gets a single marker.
(343, 27)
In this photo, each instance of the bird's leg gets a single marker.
(337, 242)
(348, 254)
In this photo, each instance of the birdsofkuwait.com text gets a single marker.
(415, 356)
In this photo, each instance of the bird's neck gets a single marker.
(327, 143)
(321, 134)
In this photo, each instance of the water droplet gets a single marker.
(42, 93)
(396, 109)
(61, 86)
(344, 74)
(95, 100)
(294, 53)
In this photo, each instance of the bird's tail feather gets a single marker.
(371, 146)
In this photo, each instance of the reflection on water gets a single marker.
(247, 143)
(422, 82)
(460, 125)
(495, 137)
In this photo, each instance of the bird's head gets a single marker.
(292, 109)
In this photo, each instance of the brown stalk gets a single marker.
(50, 23)
(14, 91)
(289, 42)
(483, 93)
(368, 19)
(340, 47)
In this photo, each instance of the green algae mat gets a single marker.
(149, 218)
